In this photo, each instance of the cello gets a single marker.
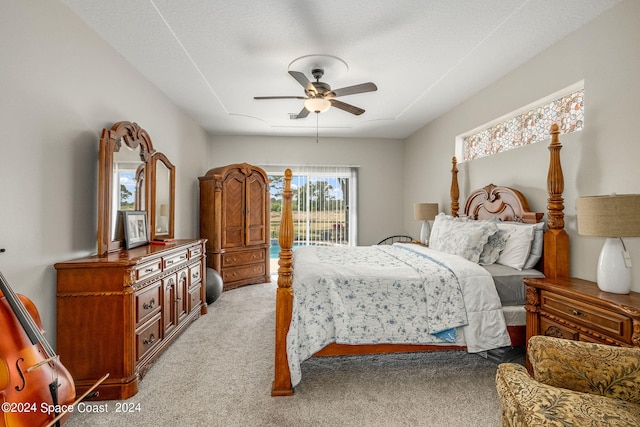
(35, 388)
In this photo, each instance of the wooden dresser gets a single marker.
(576, 309)
(234, 218)
(117, 312)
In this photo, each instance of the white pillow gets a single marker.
(518, 246)
(536, 246)
(493, 248)
(460, 237)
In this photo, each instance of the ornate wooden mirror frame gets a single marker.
(145, 188)
(162, 210)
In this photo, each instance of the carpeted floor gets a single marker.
(219, 373)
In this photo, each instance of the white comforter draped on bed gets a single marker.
(390, 294)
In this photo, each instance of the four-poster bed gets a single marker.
(489, 203)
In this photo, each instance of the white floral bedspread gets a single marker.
(390, 294)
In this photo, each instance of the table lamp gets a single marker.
(425, 212)
(613, 217)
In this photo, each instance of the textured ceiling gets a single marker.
(211, 57)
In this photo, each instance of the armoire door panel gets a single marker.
(233, 193)
(256, 210)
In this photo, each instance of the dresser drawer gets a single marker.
(194, 297)
(611, 324)
(242, 272)
(195, 251)
(195, 273)
(243, 257)
(148, 337)
(174, 259)
(147, 303)
(147, 270)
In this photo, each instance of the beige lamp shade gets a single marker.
(425, 211)
(164, 210)
(612, 217)
(609, 216)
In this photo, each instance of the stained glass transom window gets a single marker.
(527, 128)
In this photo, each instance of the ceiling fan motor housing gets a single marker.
(321, 89)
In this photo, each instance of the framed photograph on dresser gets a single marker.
(135, 228)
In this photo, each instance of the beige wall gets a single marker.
(379, 177)
(601, 159)
(60, 84)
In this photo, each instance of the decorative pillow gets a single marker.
(461, 237)
(536, 245)
(494, 246)
(518, 246)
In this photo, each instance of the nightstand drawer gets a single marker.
(609, 323)
(556, 330)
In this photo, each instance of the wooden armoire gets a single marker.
(234, 218)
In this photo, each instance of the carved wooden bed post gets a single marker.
(556, 239)
(455, 190)
(284, 295)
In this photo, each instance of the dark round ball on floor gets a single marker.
(214, 285)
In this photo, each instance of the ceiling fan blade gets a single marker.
(352, 90)
(346, 107)
(279, 97)
(303, 113)
(303, 80)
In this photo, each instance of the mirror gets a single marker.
(163, 207)
(128, 185)
(128, 180)
(140, 196)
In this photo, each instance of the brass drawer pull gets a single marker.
(576, 312)
(149, 305)
(150, 340)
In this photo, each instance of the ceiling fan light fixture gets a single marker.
(317, 105)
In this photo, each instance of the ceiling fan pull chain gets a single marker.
(317, 118)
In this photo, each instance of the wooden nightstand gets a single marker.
(576, 309)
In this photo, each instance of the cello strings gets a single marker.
(17, 305)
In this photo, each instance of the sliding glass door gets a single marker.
(324, 205)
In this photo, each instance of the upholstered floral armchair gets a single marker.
(574, 384)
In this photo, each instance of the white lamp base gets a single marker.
(613, 274)
(425, 231)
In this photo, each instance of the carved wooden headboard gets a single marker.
(504, 203)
